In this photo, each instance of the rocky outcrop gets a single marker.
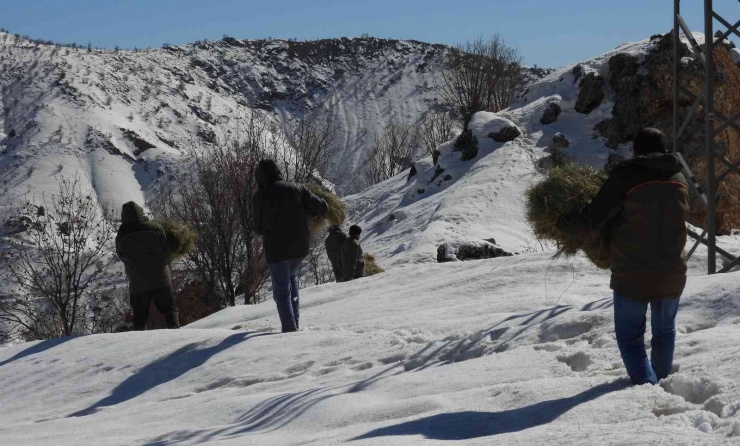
(506, 134)
(551, 113)
(643, 96)
(591, 93)
(470, 251)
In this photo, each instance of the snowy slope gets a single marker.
(506, 351)
(124, 119)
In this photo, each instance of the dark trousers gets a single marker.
(629, 325)
(164, 300)
(285, 276)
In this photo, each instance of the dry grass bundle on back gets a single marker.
(567, 189)
(337, 210)
(181, 232)
(371, 268)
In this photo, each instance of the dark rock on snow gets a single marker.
(551, 113)
(506, 134)
(591, 93)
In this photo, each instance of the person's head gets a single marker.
(267, 173)
(649, 140)
(355, 231)
(132, 213)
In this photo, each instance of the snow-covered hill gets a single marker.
(123, 119)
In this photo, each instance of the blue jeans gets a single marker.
(629, 325)
(285, 291)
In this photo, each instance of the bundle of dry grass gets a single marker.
(371, 268)
(567, 189)
(181, 232)
(337, 210)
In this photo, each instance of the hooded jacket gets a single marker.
(145, 251)
(641, 210)
(280, 214)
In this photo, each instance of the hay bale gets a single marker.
(337, 209)
(567, 189)
(181, 232)
(371, 268)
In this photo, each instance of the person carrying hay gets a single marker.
(642, 207)
(146, 251)
(281, 212)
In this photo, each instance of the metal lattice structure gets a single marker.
(708, 194)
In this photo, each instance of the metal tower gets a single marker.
(708, 194)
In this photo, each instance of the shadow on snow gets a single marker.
(165, 369)
(468, 425)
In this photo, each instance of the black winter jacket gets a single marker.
(281, 213)
(145, 251)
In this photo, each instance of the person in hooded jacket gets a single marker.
(146, 252)
(641, 211)
(280, 212)
(353, 264)
(333, 244)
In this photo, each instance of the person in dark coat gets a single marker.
(353, 265)
(146, 252)
(333, 244)
(641, 210)
(281, 211)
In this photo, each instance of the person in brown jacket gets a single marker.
(641, 211)
(353, 264)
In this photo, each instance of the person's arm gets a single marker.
(313, 204)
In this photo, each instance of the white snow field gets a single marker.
(515, 350)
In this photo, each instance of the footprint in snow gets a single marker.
(578, 362)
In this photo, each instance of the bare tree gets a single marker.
(52, 265)
(216, 199)
(316, 266)
(436, 128)
(312, 139)
(392, 154)
(481, 75)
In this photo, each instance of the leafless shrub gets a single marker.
(481, 75)
(51, 267)
(392, 154)
(310, 145)
(436, 128)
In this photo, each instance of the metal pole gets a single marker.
(676, 71)
(709, 130)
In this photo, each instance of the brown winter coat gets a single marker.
(641, 210)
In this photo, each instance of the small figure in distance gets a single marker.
(353, 264)
(333, 244)
(281, 213)
(146, 252)
(641, 211)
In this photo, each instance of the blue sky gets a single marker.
(546, 32)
